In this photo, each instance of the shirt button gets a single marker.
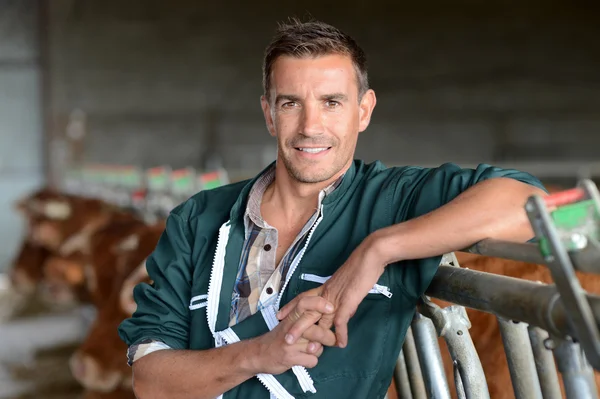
(269, 290)
(267, 247)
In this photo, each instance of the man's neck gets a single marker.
(294, 199)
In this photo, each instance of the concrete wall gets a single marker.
(21, 151)
(167, 82)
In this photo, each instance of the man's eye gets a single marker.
(289, 104)
(332, 104)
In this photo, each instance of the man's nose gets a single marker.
(312, 121)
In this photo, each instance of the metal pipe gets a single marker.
(430, 358)
(401, 378)
(417, 385)
(519, 355)
(508, 297)
(452, 323)
(525, 252)
(577, 374)
(458, 382)
(544, 363)
(586, 259)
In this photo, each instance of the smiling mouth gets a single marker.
(312, 150)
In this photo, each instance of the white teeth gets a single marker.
(312, 150)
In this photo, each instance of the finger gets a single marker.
(306, 346)
(341, 331)
(284, 311)
(305, 360)
(294, 315)
(319, 352)
(316, 303)
(298, 327)
(324, 336)
(326, 321)
(313, 347)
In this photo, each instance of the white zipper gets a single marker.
(298, 259)
(214, 291)
(377, 289)
(381, 289)
(274, 387)
(216, 280)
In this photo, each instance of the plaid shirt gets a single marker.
(259, 279)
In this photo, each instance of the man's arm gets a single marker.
(163, 315)
(491, 208)
(183, 374)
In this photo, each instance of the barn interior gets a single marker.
(137, 105)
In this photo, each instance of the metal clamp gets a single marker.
(564, 223)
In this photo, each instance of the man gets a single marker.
(360, 243)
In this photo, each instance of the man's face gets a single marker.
(316, 115)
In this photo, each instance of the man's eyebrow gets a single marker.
(286, 97)
(334, 96)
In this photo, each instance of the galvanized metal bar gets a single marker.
(519, 355)
(525, 252)
(401, 378)
(458, 382)
(577, 374)
(585, 260)
(430, 358)
(452, 323)
(508, 297)
(417, 385)
(544, 363)
(561, 267)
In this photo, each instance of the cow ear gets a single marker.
(57, 210)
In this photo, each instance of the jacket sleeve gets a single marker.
(162, 308)
(422, 190)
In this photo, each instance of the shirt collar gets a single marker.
(253, 214)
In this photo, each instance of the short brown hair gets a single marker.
(313, 39)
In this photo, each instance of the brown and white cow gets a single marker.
(99, 363)
(26, 270)
(84, 267)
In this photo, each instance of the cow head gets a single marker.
(63, 222)
(36, 202)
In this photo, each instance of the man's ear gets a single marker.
(367, 104)
(266, 107)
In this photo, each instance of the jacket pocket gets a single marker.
(353, 369)
(377, 289)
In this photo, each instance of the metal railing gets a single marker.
(547, 330)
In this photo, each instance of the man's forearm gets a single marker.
(491, 209)
(183, 374)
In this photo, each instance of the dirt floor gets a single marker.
(27, 372)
